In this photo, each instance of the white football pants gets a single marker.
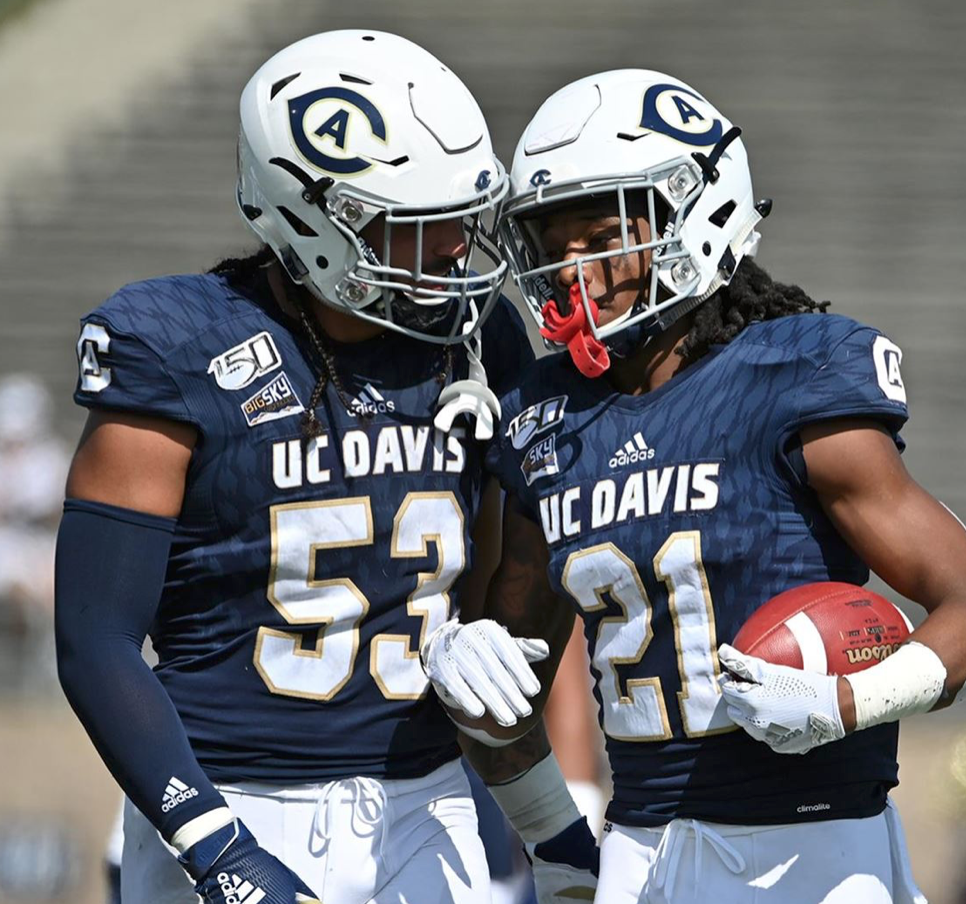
(838, 861)
(354, 841)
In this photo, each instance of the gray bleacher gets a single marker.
(853, 114)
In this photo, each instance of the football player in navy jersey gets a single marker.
(710, 439)
(278, 480)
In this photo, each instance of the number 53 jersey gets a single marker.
(303, 574)
(670, 517)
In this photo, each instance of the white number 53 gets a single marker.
(301, 532)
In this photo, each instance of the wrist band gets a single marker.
(200, 827)
(910, 681)
(537, 803)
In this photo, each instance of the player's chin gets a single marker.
(486, 728)
(611, 309)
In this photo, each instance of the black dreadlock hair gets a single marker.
(751, 295)
(245, 273)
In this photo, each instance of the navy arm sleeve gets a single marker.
(110, 569)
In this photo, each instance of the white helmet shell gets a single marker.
(632, 130)
(346, 126)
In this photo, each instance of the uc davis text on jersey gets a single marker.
(639, 494)
(388, 450)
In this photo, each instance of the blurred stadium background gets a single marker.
(117, 131)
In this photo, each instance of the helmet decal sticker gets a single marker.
(654, 107)
(311, 137)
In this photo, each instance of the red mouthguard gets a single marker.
(589, 354)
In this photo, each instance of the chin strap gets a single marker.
(588, 353)
(471, 396)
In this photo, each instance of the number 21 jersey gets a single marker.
(670, 517)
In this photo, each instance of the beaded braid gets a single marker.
(311, 427)
(443, 375)
(751, 295)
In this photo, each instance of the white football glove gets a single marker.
(790, 710)
(479, 667)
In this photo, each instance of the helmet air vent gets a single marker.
(281, 83)
(721, 215)
(354, 79)
(300, 226)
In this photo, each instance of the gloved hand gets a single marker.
(479, 667)
(565, 867)
(791, 710)
(229, 867)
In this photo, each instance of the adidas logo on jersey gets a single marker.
(239, 891)
(632, 451)
(370, 401)
(176, 793)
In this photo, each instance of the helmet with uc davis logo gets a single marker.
(624, 132)
(343, 127)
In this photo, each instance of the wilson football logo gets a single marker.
(876, 653)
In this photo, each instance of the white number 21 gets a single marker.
(638, 712)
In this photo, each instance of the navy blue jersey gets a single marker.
(302, 576)
(670, 518)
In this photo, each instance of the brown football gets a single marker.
(829, 627)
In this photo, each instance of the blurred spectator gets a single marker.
(112, 857)
(33, 465)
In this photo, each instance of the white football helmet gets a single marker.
(347, 126)
(627, 131)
